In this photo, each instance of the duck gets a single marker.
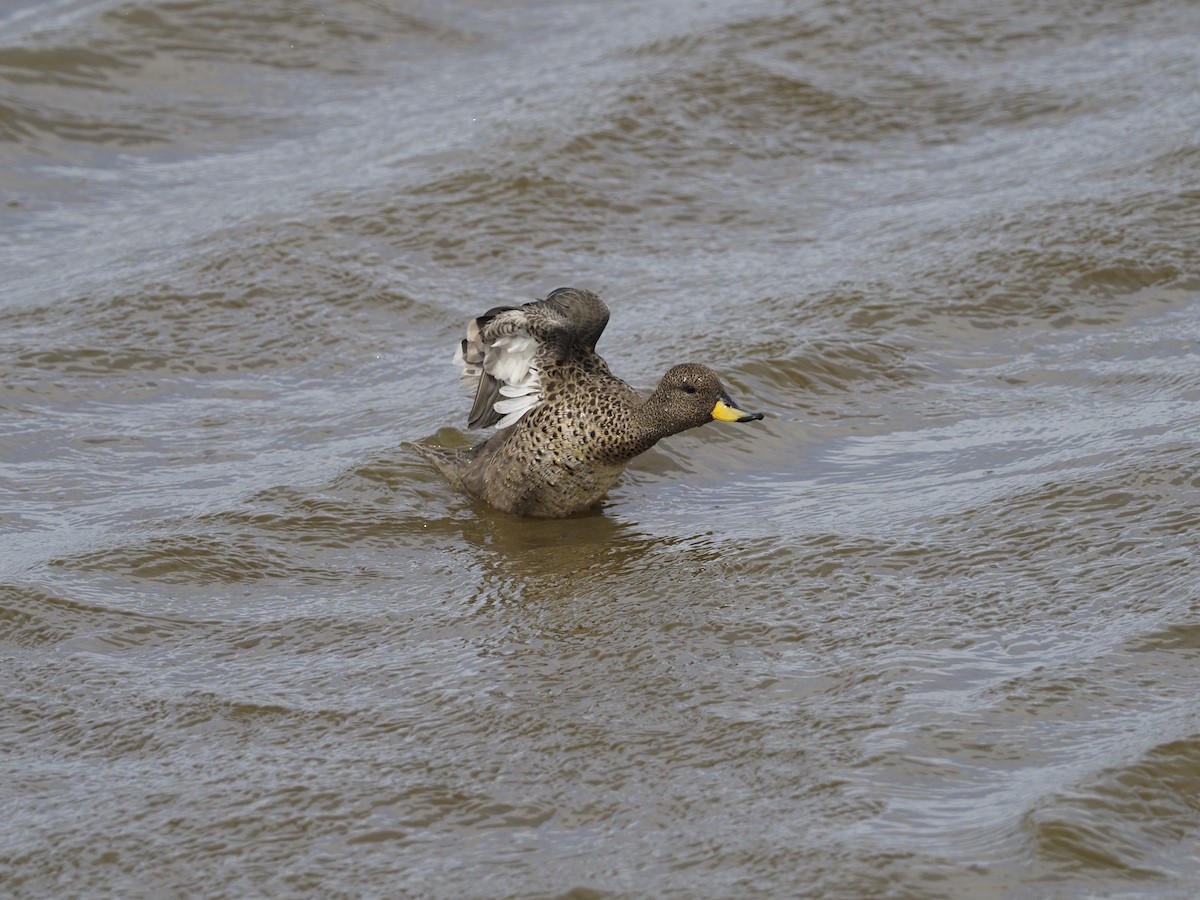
(565, 426)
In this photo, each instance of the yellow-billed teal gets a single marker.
(566, 426)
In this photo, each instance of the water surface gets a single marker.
(929, 630)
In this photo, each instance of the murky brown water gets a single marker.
(933, 630)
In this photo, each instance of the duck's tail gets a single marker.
(449, 462)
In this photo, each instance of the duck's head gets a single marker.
(691, 395)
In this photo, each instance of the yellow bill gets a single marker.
(725, 411)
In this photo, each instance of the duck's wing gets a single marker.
(509, 347)
(501, 353)
(580, 314)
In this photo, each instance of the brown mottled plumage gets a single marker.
(567, 425)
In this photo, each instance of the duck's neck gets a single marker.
(650, 422)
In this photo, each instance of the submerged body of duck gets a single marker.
(566, 426)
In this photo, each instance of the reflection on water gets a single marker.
(930, 631)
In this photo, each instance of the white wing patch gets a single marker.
(510, 360)
(522, 398)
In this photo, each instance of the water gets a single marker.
(932, 630)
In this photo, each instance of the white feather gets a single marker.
(509, 358)
(528, 386)
(517, 404)
(521, 398)
(515, 408)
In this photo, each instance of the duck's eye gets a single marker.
(689, 389)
